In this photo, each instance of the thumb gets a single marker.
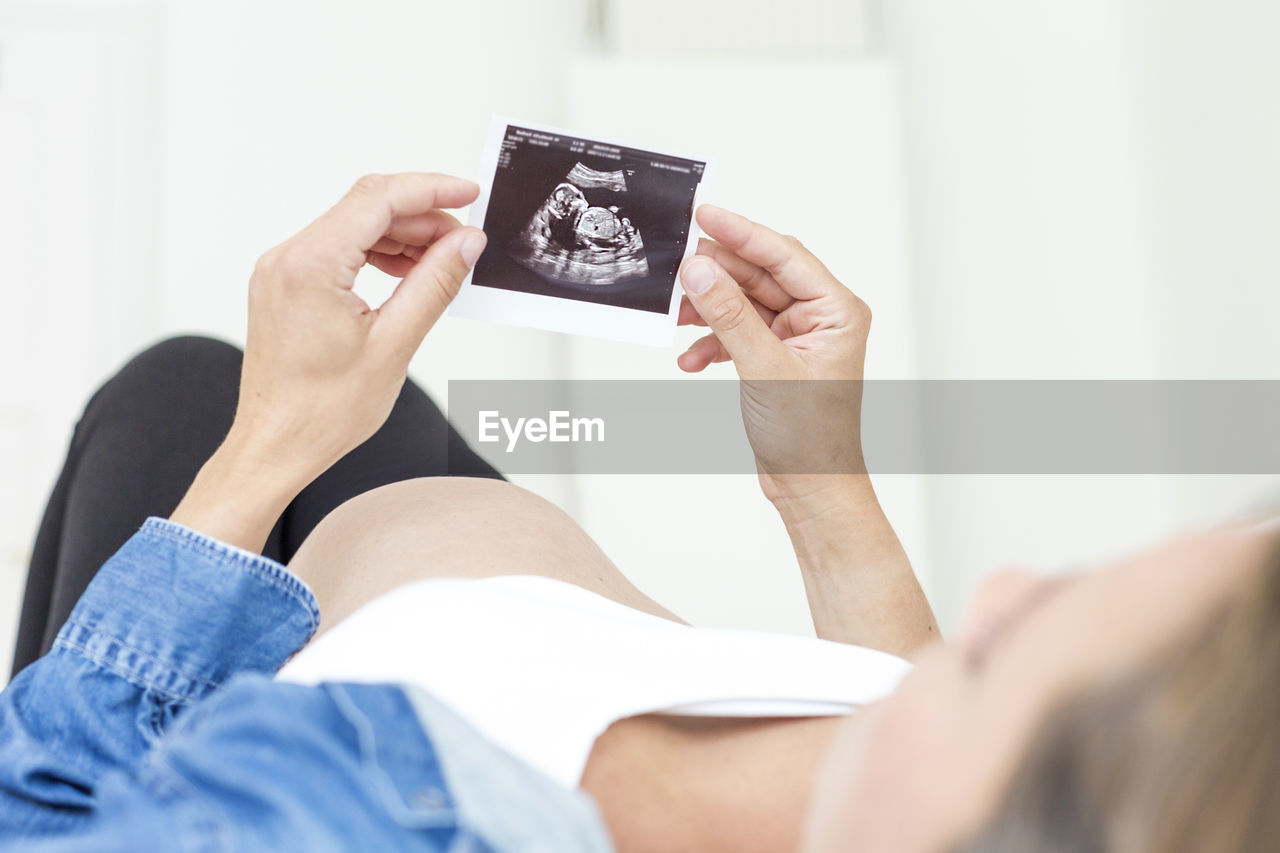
(424, 294)
(740, 329)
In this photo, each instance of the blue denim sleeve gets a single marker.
(166, 621)
(263, 765)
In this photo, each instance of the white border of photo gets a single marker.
(515, 308)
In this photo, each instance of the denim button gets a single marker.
(429, 798)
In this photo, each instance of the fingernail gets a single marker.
(472, 247)
(697, 276)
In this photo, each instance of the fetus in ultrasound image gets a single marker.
(572, 240)
(583, 220)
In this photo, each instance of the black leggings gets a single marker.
(143, 437)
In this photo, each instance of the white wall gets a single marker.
(79, 137)
(1019, 188)
(1094, 195)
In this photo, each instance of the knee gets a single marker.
(186, 373)
(189, 358)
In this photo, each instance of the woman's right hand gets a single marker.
(322, 369)
(797, 338)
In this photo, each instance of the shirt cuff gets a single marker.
(178, 612)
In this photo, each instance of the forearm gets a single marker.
(858, 579)
(243, 489)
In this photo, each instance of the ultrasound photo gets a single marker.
(569, 241)
(583, 221)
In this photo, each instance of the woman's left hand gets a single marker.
(798, 339)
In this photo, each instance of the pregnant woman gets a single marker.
(449, 662)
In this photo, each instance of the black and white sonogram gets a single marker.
(571, 240)
(587, 221)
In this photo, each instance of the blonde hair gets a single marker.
(1184, 758)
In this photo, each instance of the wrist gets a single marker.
(831, 517)
(800, 499)
(240, 492)
(272, 454)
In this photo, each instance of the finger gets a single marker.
(368, 209)
(702, 352)
(387, 246)
(428, 288)
(784, 325)
(689, 315)
(422, 229)
(758, 283)
(793, 266)
(730, 315)
(393, 265)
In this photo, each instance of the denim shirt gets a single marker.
(153, 723)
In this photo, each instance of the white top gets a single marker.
(542, 667)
